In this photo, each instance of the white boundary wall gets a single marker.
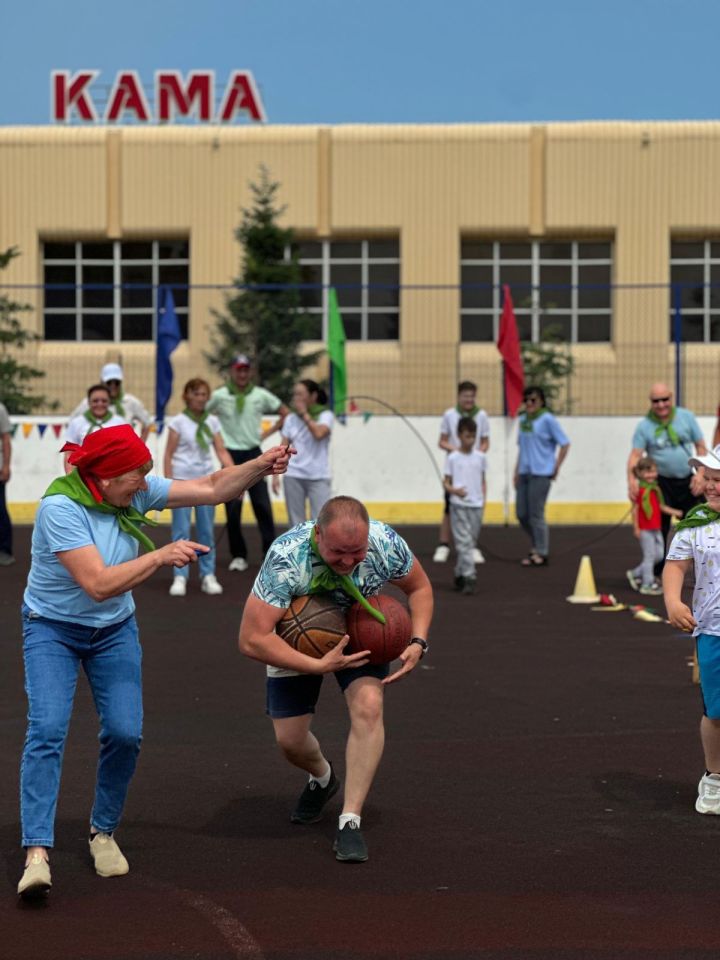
(382, 462)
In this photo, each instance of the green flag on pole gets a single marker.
(336, 352)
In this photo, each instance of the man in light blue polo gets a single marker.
(240, 406)
(670, 435)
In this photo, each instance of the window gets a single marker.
(366, 277)
(695, 278)
(107, 290)
(559, 287)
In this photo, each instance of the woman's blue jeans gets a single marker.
(205, 524)
(111, 658)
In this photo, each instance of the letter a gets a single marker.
(241, 95)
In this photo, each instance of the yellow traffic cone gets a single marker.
(585, 590)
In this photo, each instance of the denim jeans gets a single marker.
(111, 658)
(530, 496)
(205, 525)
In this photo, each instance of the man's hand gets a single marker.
(410, 657)
(336, 659)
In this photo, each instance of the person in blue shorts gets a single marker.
(78, 610)
(347, 555)
(696, 544)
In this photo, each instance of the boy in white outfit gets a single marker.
(466, 485)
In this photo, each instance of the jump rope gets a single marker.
(608, 531)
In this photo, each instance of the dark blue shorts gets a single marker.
(297, 696)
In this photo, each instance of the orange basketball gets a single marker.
(312, 625)
(384, 641)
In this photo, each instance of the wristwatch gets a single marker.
(423, 644)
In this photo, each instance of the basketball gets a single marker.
(312, 625)
(384, 641)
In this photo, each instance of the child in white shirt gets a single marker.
(465, 482)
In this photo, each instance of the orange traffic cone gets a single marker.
(585, 590)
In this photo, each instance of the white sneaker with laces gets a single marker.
(708, 800)
(632, 579)
(238, 563)
(178, 588)
(442, 552)
(654, 590)
(477, 556)
(210, 585)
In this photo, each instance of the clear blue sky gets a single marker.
(394, 61)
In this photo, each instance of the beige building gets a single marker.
(600, 230)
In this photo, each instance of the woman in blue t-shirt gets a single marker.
(78, 610)
(543, 447)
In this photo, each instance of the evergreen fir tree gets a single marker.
(264, 319)
(16, 377)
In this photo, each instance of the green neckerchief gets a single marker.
(203, 434)
(239, 394)
(468, 413)
(327, 580)
(93, 420)
(526, 423)
(699, 516)
(72, 486)
(313, 410)
(646, 489)
(665, 426)
(118, 404)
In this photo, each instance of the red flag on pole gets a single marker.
(509, 346)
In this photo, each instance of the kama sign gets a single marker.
(175, 98)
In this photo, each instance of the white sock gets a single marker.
(325, 779)
(347, 817)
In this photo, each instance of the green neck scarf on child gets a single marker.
(646, 489)
(326, 580)
(699, 516)
(203, 434)
(239, 394)
(72, 486)
(665, 426)
(526, 421)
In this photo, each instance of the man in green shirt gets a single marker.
(240, 406)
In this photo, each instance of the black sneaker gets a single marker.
(350, 845)
(312, 800)
(469, 586)
(459, 583)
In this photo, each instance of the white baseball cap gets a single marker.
(111, 371)
(711, 460)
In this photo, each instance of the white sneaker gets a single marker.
(708, 800)
(238, 563)
(209, 584)
(442, 552)
(477, 556)
(178, 588)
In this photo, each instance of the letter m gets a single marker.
(173, 98)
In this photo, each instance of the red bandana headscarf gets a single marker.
(107, 453)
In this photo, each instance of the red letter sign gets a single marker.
(127, 94)
(241, 95)
(171, 98)
(67, 94)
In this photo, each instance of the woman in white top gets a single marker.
(308, 429)
(191, 437)
(97, 416)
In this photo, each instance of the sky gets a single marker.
(386, 61)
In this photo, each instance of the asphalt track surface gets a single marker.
(535, 799)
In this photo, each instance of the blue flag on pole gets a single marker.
(168, 337)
